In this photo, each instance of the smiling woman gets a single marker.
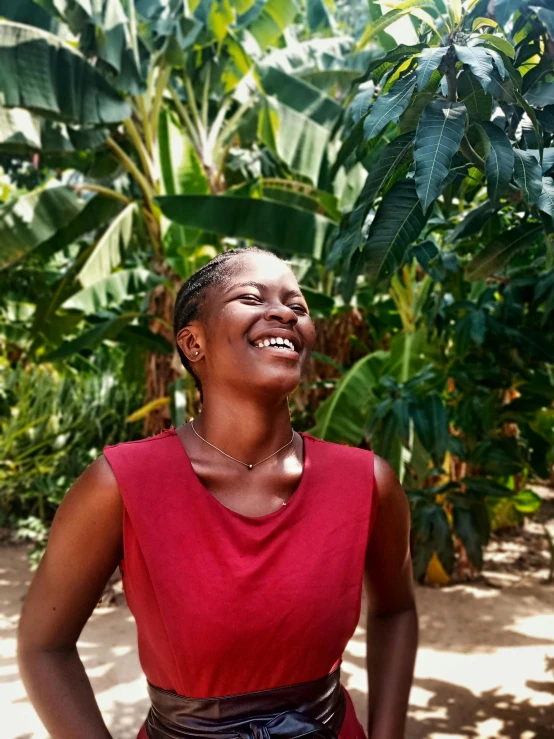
(243, 545)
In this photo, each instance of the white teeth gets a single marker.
(275, 341)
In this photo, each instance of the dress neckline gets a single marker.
(293, 499)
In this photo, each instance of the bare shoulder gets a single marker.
(388, 487)
(94, 492)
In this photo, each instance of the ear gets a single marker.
(190, 341)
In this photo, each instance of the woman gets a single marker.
(243, 545)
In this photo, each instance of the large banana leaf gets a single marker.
(323, 62)
(110, 248)
(182, 171)
(319, 16)
(275, 225)
(300, 95)
(499, 161)
(41, 73)
(26, 11)
(34, 218)
(498, 253)
(528, 175)
(97, 212)
(269, 25)
(389, 107)
(295, 138)
(105, 33)
(113, 290)
(105, 329)
(397, 224)
(21, 132)
(438, 137)
(341, 417)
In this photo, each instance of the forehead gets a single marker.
(264, 268)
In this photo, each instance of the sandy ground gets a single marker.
(485, 666)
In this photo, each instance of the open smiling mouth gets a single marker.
(274, 345)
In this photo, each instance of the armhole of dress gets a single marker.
(374, 501)
(121, 565)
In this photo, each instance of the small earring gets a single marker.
(196, 353)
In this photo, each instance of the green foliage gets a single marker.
(409, 185)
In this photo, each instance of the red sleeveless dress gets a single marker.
(227, 603)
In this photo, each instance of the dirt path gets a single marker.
(485, 666)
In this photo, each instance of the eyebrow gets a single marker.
(261, 286)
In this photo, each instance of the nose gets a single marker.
(282, 313)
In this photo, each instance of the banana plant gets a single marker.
(157, 106)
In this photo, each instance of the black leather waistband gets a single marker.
(313, 709)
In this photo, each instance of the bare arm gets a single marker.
(392, 626)
(84, 549)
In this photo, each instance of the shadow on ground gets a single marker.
(485, 666)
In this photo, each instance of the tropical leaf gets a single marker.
(438, 137)
(431, 426)
(300, 95)
(319, 16)
(390, 106)
(480, 63)
(546, 199)
(496, 255)
(528, 175)
(21, 132)
(33, 219)
(45, 75)
(377, 67)
(541, 94)
(499, 164)
(106, 33)
(182, 171)
(362, 103)
(113, 290)
(498, 43)
(478, 103)
(402, 9)
(97, 212)
(342, 416)
(474, 221)
(384, 169)
(274, 17)
(106, 329)
(276, 225)
(397, 224)
(108, 252)
(429, 60)
(295, 138)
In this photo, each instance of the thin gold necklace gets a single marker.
(238, 460)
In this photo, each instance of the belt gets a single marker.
(312, 709)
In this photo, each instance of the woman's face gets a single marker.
(258, 307)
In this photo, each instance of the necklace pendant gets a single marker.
(250, 466)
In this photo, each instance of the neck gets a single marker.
(244, 428)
